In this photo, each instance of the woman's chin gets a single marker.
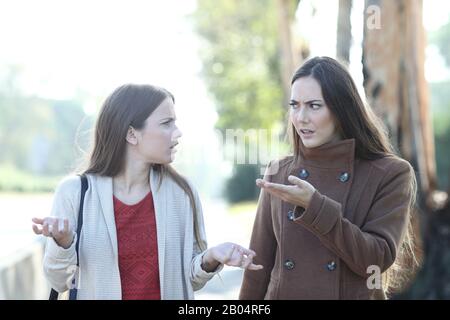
(171, 158)
(308, 143)
(168, 160)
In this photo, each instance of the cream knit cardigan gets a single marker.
(99, 277)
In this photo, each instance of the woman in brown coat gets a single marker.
(332, 218)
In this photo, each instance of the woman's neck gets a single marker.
(134, 178)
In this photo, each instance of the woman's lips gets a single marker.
(306, 133)
(172, 148)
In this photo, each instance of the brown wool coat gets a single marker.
(357, 218)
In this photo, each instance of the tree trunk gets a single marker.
(394, 81)
(289, 59)
(433, 280)
(344, 32)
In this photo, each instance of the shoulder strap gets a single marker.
(84, 187)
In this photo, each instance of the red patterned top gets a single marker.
(138, 249)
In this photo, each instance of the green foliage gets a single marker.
(241, 61)
(440, 102)
(12, 179)
(241, 186)
(442, 39)
(243, 208)
(241, 67)
(37, 137)
(442, 144)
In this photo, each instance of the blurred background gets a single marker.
(229, 65)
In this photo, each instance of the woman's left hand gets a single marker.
(299, 194)
(230, 254)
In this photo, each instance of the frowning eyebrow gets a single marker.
(306, 102)
(168, 119)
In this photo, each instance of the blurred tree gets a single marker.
(290, 59)
(394, 80)
(440, 101)
(240, 55)
(243, 179)
(442, 39)
(241, 65)
(344, 32)
(433, 280)
(36, 135)
(68, 117)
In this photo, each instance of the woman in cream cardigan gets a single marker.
(143, 235)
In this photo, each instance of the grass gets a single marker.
(14, 180)
(242, 208)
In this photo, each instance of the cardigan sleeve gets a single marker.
(59, 263)
(377, 241)
(263, 242)
(198, 276)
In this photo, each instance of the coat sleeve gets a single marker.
(59, 263)
(198, 276)
(377, 241)
(263, 242)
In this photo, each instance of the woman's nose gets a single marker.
(177, 133)
(302, 115)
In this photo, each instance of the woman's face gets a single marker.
(156, 141)
(310, 115)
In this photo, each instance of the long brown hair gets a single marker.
(355, 120)
(130, 105)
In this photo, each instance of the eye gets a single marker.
(315, 106)
(293, 105)
(167, 123)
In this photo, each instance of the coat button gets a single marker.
(289, 264)
(344, 177)
(290, 215)
(331, 266)
(304, 174)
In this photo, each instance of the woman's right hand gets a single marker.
(56, 228)
(230, 254)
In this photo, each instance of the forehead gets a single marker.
(164, 110)
(305, 89)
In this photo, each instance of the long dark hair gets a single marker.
(355, 120)
(130, 105)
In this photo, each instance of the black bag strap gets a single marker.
(73, 291)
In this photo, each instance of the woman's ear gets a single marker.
(132, 136)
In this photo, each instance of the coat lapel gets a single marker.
(105, 194)
(160, 198)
